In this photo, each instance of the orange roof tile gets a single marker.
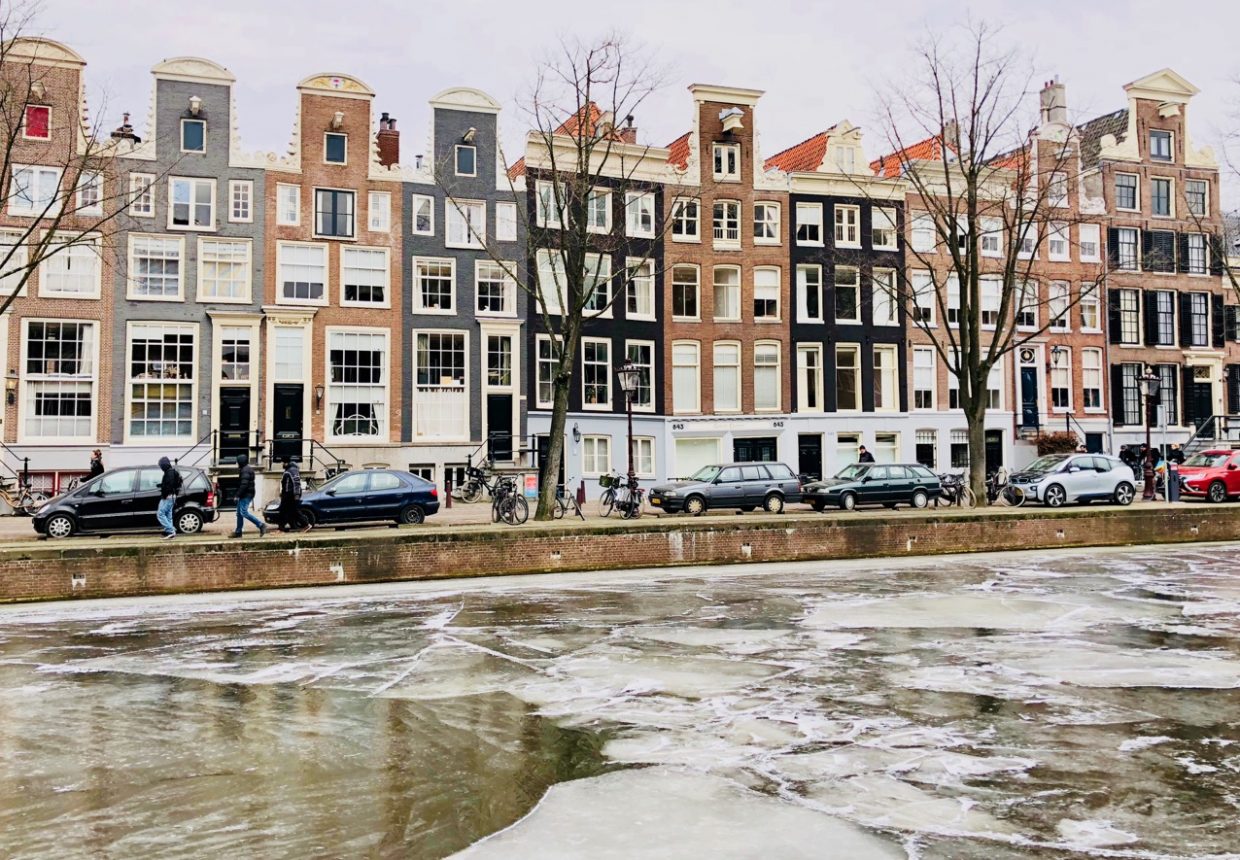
(517, 169)
(678, 151)
(890, 166)
(805, 157)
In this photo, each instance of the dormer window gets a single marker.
(193, 135)
(727, 161)
(466, 160)
(38, 124)
(1160, 145)
(335, 148)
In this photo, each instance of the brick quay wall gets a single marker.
(124, 567)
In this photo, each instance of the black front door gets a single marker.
(1029, 397)
(1093, 443)
(544, 446)
(286, 424)
(760, 450)
(1199, 404)
(234, 422)
(994, 450)
(499, 426)
(809, 446)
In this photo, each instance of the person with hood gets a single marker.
(245, 497)
(169, 486)
(96, 464)
(290, 496)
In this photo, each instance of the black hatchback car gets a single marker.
(366, 495)
(127, 500)
(875, 484)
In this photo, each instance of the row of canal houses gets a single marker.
(336, 302)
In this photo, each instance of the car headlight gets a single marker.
(669, 493)
(46, 506)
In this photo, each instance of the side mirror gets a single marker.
(1072, 469)
(866, 479)
(330, 492)
(1231, 467)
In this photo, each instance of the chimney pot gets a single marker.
(388, 140)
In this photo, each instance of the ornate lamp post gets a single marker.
(1149, 390)
(630, 377)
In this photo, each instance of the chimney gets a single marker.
(628, 133)
(125, 131)
(1054, 103)
(389, 141)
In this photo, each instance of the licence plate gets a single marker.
(656, 501)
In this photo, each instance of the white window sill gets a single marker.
(335, 238)
(686, 319)
(305, 303)
(805, 243)
(50, 294)
(726, 319)
(134, 297)
(767, 320)
(438, 312)
(688, 240)
(856, 246)
(770, 243)
(596, 407)
(211, 229)
(376, 305)
(890, 248)
(641, 317)
(640, 235)
(727, 246)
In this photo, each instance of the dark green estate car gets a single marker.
(875, 484)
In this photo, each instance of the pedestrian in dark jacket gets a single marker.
(96, 464)
(864, 456)
(246, 491)
(169, 486)
(290, 496)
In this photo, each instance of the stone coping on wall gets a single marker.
(136, 566)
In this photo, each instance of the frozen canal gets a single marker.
(1038, 705)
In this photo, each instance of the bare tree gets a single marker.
(582, 180)
(987, 199)
(57, 191)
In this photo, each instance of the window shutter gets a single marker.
(1150, 306)
(1232, 314)
(1218, 322)
(1182, 241)
(1186, 318)
(1113, 319)
(1233, 389)
(1217, 254)
(1147, 251)
(1117, 395)
(1186, 415)
(1112, 248)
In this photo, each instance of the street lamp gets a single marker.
(1149, 390)
(630, 378)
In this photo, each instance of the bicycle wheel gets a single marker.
(1012, 496)
(520, 510)
(32, 502)
(633, 510)
(471, 492)
(607, 502)
(497, 508)
(560, 509)
(966, 499)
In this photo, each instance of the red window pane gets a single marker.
(38, 121)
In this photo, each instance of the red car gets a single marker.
(1214, 475)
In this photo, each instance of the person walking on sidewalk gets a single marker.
(169, 486)
(96, 464)
(864, 456)
(290, 496)
(245, 497)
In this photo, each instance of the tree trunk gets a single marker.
(549, 471)
(976, 418)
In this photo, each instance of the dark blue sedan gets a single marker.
(366, 495)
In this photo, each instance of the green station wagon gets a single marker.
(875, 484)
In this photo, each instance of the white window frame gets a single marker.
(384, 416)
(803, 285)
(246, 189)
(607, 374)
(1057, 189)
(855, 286)
(201, 279)
(1205, 254)
(884, 299)
(598, 268)
(778, 286)
(1058, 303)
(387, 275)
(193, 185)
(505, 222)
(285, 190)
(1136, 258)
(328, 134)
(25, 124)
(733, 206)
(809, 215)
(1090, 299)
(766, 347)
(17, 254)
(768, 221)
(456, 159)
(697, 373)
(90, 376)
(549, 261)
(1058, 243)
(379, 203)
(1090, 233)
(717, 406)
(846, 220)
(887, 376)
(855, 349)
(281, 299)
(644, 281)
(592, 446)
(454, 213)
(1205, 198)
(637, 205)
(346, 237)
(887, 214)
(593, 200)
(131, 281)
(920, 370)
(803, 368)
(509, 293)
(1171, 209)
(921, 228)
(921, 285)
(1093, 353)
(539, 363)
(416, 287)
(36, 209)
(50, 259)
(990, 243)
(456, 427)
(1061, 365)
(649, 345)
(642, 457)
(730, 151)
(1136, 192)
(714, 281)
(548, 212)
(678, 217)
(141, 200)
(130, 381)
(93, 182)
(181, 139)
(415, 202)
(697, 290)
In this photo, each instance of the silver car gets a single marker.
(1058, 479)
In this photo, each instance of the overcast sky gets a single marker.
(818, 62)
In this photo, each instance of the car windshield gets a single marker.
(1049, 463)
(853, 472)
(706, 473)
(1208, 460)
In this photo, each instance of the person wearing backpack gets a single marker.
(169, 487)
(290, 496)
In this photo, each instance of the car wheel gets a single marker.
(774, 504)
(891, 506)
(695, 505)
(1055, 496)
(189, 522)
(412, 515)
(848, 501)
(306, 517)
(920, 499)
(746, 508)
(60, 526)
(1125, 493)
(1217, 493)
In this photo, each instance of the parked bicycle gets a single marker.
(566, 503)
(475, 486)
(610, 484)
(22, 499)
(507, 504)
(1000, 492)
(622, 495)
(956, 491)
